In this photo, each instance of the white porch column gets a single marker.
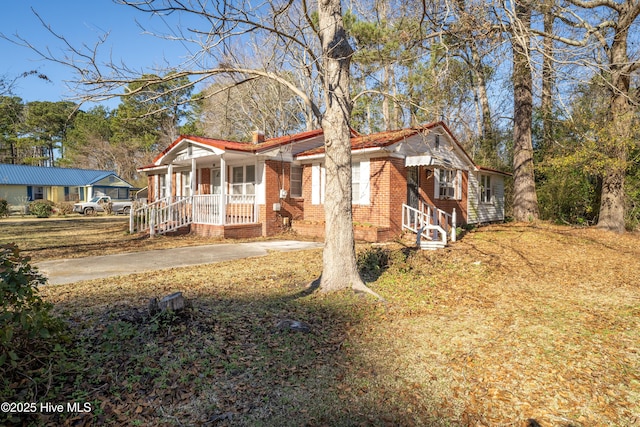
(223, 190)
(256, 178)
(169, 180)
(194, 175)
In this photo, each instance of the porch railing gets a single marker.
(429, 223)
(170, 213)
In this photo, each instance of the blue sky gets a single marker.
(81, 22)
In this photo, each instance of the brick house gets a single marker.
(419, 180)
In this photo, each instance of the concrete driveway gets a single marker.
(96, 267)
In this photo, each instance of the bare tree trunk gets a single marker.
(386, 117)
(488, 147)
(612, 199)
(525, 201)
(546, 102)
(339, 258)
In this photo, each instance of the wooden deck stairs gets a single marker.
(432, 227)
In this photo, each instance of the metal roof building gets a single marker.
(21, 183)
(37, 175)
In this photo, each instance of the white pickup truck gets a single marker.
(102, 204)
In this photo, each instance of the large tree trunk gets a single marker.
(612, 198)
(525, 201)
(339, 269)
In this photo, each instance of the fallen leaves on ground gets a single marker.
(510, 324)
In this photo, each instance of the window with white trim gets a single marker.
(447, 184)
(243, 180)
(186, 183)
(162, 186)
(485, 189)
(295, 187)
(355, 182)
(216, 187)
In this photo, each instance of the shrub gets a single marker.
(64, 208)
(4, 208)
(25, 319)
(41, 208)
(372, 262)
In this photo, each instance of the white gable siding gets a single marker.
(191, 152)
(479, 213)
(446, 155)
(112, 181)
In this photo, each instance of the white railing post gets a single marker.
(435, 221)
(453, 225)
(131, 213)
(152, 222)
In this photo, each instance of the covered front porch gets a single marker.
(214, 215)
(212, 189)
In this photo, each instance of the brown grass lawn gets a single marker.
(79, 236)
(512, 323)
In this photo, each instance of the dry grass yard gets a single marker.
(513, 323)
(78, 236)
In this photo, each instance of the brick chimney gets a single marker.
(258, 137)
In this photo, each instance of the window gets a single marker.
(116, 193)
(38, 193)
(295, 188)
(437, 143)
(215, 181)
(71, 194)
(186, 183)
(485, 189)
(162, 185)
(243, 180)
(447, 185)
(355, 182)
(360, 175)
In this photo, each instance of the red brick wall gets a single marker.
(377, 211)
(311, 212)
(277, 176)
(388, 191)
(397, 194)
(244, 231)
(447, 205)
(174, 181)
(151, 182)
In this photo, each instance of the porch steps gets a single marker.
(431, 245)
(431, 228)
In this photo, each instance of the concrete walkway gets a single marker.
(96, 267)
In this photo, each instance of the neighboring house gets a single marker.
(21, 184)
(409, 179)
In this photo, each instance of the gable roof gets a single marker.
(387, 138)
(377, 140)
(246, 147)
(45, 176)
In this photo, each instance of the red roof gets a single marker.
(358, 142)
(241, 146)
(380, 139)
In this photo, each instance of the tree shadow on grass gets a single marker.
(222, 361)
